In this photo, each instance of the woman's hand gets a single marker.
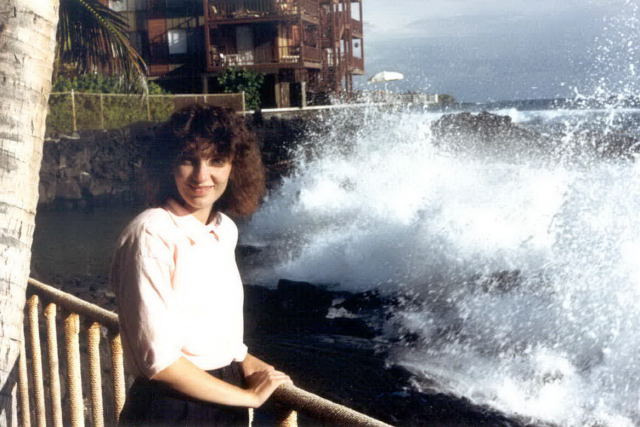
(262, 378)
(263, 383)
(185, 377)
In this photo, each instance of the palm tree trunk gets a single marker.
(27, 46)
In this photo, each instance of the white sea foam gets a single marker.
(523, 271)
(392, 210)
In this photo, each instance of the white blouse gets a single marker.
(178, 291)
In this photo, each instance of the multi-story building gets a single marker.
(304, 47)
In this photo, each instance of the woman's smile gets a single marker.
(201, 189)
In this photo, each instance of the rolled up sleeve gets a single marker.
(149, 324)
(241, 353)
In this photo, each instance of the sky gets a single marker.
(480, 50)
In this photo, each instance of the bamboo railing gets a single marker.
(41, 395)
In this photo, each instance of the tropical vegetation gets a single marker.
(93, 38)
(99, 104)
(235, 80)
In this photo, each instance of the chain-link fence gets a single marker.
(73, 111)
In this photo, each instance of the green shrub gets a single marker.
(97, 83)
(109, 113)
(235, 80)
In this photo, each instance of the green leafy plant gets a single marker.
(91, 37)
(234, 80)
(102, 112)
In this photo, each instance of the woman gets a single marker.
(177, 284)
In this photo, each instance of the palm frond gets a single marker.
(93, 38)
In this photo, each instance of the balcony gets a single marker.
(224, 10)
(261, 58)
(357, 65)
(356, 27)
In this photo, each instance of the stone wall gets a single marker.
(95, 168)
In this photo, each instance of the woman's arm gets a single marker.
(251, 365)
(187, 378)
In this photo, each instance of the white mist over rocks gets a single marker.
(519, 272)
(523, 274)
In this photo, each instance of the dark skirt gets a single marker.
(152, 403)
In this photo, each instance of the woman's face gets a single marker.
(200, 181)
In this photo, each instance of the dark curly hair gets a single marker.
(212, 131)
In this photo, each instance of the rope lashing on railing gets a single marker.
(36, 361)
(293, 398)
(323, 409)
(23, 387)
(74, 374)
(73, 304)
(54, 364)
(287, 418)
(117, 375)
(95, 374)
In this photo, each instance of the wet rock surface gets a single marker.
(486, 126)
(327, 341)
(486, 134)
(498, 137)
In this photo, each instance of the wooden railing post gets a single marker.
(102, 111)
(36, 361)
(117, 375)
(23, 388)
(95, 374)
(74, 120)
(287, 418)
(146, 97)
(54, 365)
(74, 378)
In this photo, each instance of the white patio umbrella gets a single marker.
(385, 76)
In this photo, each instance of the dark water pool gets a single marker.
(73, 243)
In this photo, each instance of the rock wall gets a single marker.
(95, 168)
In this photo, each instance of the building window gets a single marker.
(127, 5)
(118, 5)
(177, 42)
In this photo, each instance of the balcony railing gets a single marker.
(85, 324)
(357, 63)
(356, 26)
(309, 7)
(311, 54)
(265, 56)
(238, 9)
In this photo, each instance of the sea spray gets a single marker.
(522, 270)
(516, 269)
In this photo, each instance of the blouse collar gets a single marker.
(190, 225)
